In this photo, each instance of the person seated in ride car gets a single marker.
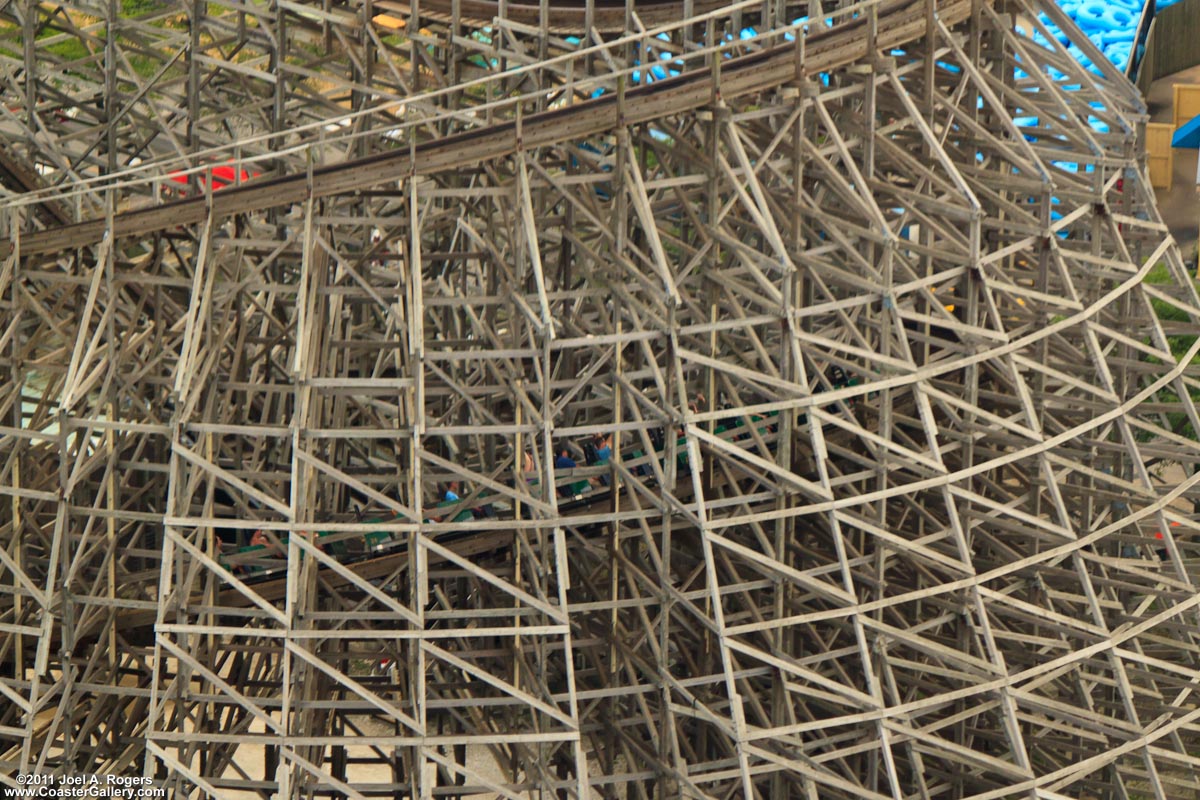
(603, 442)
(563, 460)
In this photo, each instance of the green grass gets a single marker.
(1179, 345)
(1168, 312)
(144, 66)
(140, 8)
(69, 50)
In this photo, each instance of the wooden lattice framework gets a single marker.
(920, 414)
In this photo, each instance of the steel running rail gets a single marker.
(562, 16)
(473, 541)
(898, 23)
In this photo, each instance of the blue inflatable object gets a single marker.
(1059, 35)
(1112, 37)
(1079, 56)
(1118, 54)
(1090, 14)
(1111, 25)
(1117, 18)
(791, 37)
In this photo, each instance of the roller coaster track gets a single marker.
(937, 574)
(898, 22)
(374, 568)
(467, 543)
(15, 173)
(561, 17)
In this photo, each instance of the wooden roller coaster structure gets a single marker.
(685, 399)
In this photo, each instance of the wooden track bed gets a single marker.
(899, 22)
